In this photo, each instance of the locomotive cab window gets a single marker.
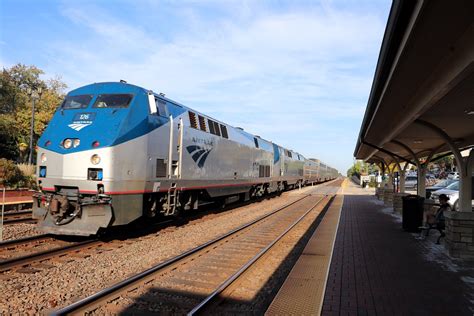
(256, 142)
(76, 102)
(161, 108)
(113, 101)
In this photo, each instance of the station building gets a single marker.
(421, 105)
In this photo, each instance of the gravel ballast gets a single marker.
(19, 230)
(63, 283)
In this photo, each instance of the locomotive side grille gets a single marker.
(202, 123)
(263, 171)
(161, 168)
(217, 129)
(211, 127)
(214, 127)
(192, 119)
(224, 131)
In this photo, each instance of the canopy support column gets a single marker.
(421, 174)
(402, 177)
(463, 165)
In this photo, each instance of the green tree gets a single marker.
(9, 136)
(16, 105)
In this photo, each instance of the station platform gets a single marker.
(375, 268)
(13, 197)
(13, 200)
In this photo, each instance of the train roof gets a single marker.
(164, 98)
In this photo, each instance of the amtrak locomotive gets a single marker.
(114, 152)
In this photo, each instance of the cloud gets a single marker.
(294, 70)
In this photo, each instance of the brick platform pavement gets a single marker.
(378, 269)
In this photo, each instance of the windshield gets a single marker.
(411, 179)
(453, 186)
(113, 100)
(76, 102)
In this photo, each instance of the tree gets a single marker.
(9, 136)
(361, 168)
(16, 105)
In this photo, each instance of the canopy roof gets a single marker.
(424, 81)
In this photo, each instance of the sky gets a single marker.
(297, 73)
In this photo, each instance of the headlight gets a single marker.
(67, 143)
(76, 142)
(95, 159)
(43, 157)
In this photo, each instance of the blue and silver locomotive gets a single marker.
(115, 152)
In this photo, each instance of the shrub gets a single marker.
(28, 182)
(10, 175)
(373, 182)
(27, 169)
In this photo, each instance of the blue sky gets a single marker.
(294, 72)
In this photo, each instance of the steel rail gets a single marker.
(115, 290)
(22, 212)
(43, 255)
(18, 217)
(14, 242)
(199, 308)
(19, 220)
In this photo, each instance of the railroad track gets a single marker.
(31, 253)
(194, 281)
(18, 217)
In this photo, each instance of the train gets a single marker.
(114, 152)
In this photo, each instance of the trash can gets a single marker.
(412, 212)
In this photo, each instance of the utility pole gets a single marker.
(34, 94)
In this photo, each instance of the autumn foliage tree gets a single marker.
(16, 106)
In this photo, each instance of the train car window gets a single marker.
(256, 142)
(211, 127)
(224, 131)
(202, 123)
(113, 101)
(192, 119)
(161, 107)
(289, 154)
(76, 102)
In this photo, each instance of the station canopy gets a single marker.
(422, 96)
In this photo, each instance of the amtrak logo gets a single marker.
(78, 126)
(199, 154)
(82, 120)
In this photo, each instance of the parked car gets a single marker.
(453, 175)
(411, 182)
(430, 179)
(452, 191)
(438, 186)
